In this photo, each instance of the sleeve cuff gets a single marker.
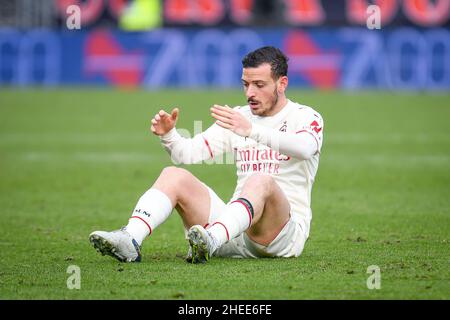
(169, 136)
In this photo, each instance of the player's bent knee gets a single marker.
(260, 183)
(260, 179)
(174, 172)
(175, 176)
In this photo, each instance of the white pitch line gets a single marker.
(103, 138)
(92, 157)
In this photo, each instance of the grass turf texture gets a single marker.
(75, 161)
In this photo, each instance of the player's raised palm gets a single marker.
(163, 122)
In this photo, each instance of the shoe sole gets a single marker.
(189, 256)
(103, 246)
(199, 248)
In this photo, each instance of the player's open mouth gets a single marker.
(253, 104)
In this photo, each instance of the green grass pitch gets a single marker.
(75, 160)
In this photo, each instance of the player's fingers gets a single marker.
(174, 113)
(229, 109)
(221, 112)
(223, 125)
(217, 110)
(154, 121)
(223, 108)
(157, 117)
(222, 119)
(163, 114)
(224, 112)
(152, 128)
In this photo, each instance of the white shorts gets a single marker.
(288, 243)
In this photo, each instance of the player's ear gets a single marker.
(282, 84)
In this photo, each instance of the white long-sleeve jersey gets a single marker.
(286, 146)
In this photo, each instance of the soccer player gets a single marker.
(276, 143)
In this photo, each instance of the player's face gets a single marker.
(262, 91)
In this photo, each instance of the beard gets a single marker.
(274, 101)
(272, 104)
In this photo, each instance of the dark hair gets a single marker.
(271, 55)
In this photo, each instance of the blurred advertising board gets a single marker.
(344, 58)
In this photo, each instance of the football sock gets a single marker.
(235, 219)
(152, 209)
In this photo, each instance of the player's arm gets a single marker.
(203, 146)
(301, 145)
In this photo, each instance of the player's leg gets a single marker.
(262, 210)
(271, 209)
(185, 192)
(175, 187)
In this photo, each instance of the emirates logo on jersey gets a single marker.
(284, 127)
(315, 126)
(259, 160)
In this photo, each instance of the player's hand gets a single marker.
(231, 119)
(163, 122)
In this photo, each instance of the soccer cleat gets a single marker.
(202, 244)
(118, 244)
(189, 255)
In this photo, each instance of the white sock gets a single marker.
(235, 219)
(152, 209)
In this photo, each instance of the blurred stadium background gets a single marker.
(198, 43)
(76, 101)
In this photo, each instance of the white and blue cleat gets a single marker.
(118, 244)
